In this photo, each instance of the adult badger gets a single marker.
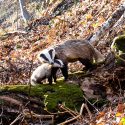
(47, 55)
(46, 70)
(71, 51)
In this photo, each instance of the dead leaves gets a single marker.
(112, 117)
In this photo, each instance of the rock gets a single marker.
(92, 89)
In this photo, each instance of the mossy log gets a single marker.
(50, 95)
(42, 100)
(118, 47)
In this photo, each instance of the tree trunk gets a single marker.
(120, 22)
(107, 25)
(26, 16)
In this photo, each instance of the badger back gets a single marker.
(47, 56)
(73, 50)
(93, 54)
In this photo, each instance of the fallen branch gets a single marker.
(34, 115)
(11, 100)
(71, 112)
(57, 113)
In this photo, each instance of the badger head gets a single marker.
(58, 63)
(47, 56)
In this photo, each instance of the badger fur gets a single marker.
(44, 71)
(75, 50)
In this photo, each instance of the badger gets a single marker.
(44, 71)
(47, 56)
(71, 51)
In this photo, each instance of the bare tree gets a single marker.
(26, 16)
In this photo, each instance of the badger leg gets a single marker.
(39, 81)
(65, 71)
(50, 79)
(87, 63)
(54, 71)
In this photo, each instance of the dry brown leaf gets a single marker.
(101, 114)
(120, 108)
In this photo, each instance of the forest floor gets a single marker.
(18, 52)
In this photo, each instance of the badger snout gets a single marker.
(62, 66)
(52, 63)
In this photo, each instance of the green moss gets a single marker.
(69, 94)
(35, 91)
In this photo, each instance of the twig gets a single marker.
(119, 86)
(30, 89)
(27, 114)
(69, 110)
(17, 118)
(82, 107)
(30, 73)
(1, 121)
(23, 118)
(75, 118)
(57, 113)
(1, 111)
(38, 116)
(90, 103)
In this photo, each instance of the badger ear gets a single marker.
(52, 53)
(41, 57)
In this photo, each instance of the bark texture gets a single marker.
(108, 24)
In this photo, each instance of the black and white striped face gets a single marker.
(47, 56)
(58, 63)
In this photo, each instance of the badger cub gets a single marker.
(44, 71)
